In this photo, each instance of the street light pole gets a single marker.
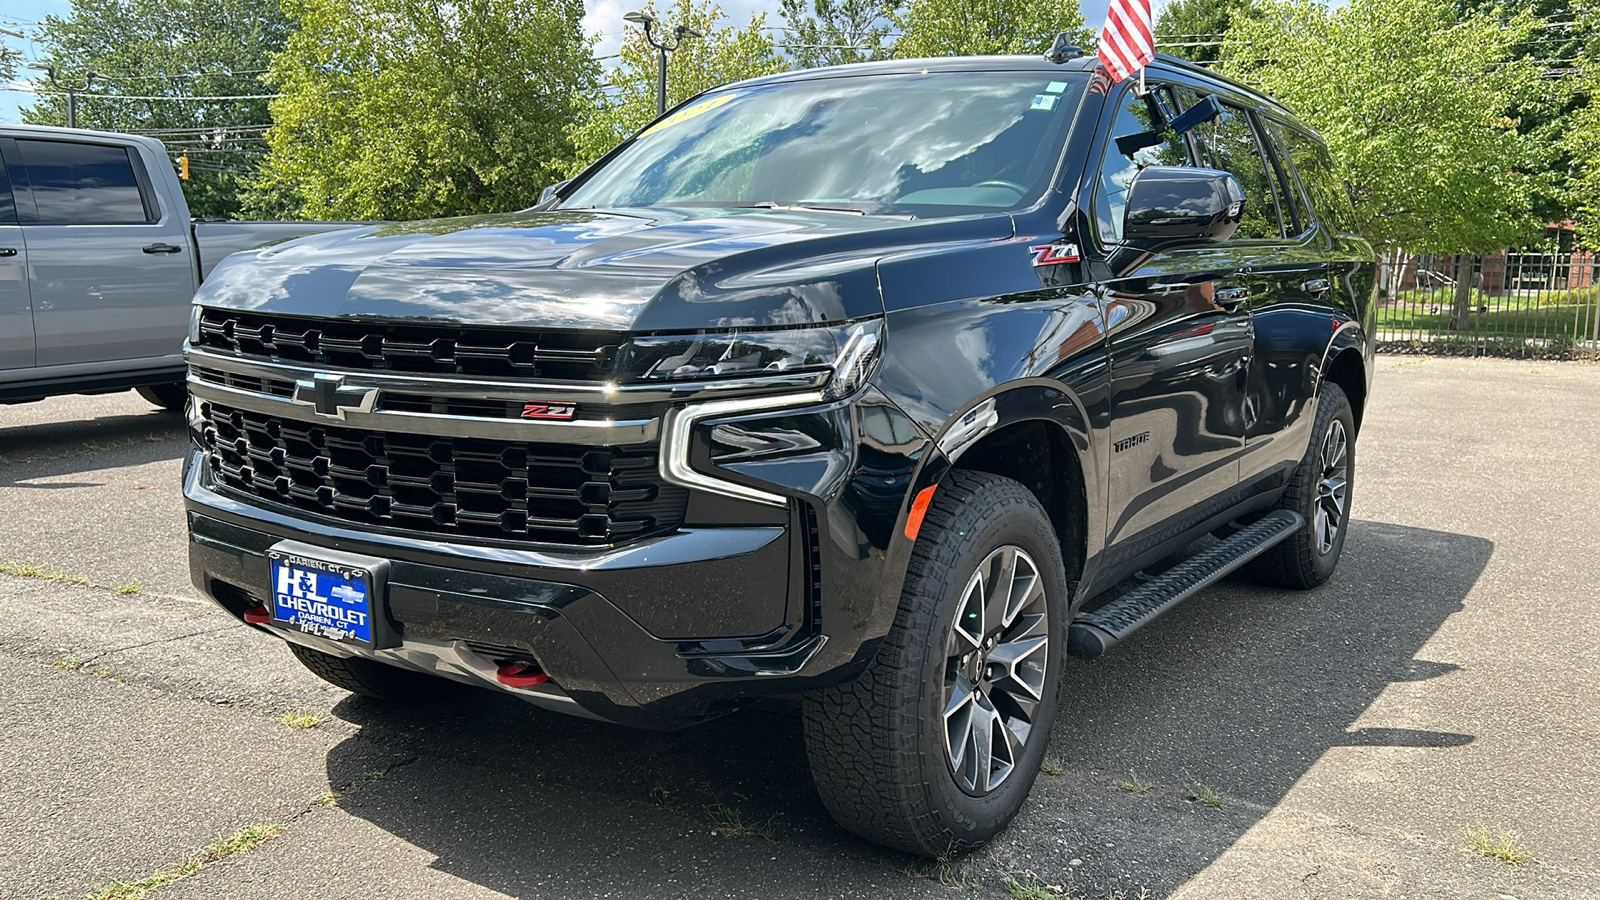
(649, 22)
(72, 92)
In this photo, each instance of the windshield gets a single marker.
(920, 144)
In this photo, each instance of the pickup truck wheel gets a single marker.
(366, 677)
(170, 397)
(937, 744)
(1319, 490)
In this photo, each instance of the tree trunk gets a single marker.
(1461, 311)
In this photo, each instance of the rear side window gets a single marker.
(82, 184)
(1229, 143)
(1323, 186)
(8, 208)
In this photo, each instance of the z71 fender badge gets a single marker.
(549, 410)
(1050, 254)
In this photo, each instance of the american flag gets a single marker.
(1126, 43)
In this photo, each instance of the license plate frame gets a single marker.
(329, 594)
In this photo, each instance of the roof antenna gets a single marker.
(1063, 49)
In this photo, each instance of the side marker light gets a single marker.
(919, 508)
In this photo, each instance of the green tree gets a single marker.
(170, 51)
(1194, 29)
(611, 114)
(836, 32)
(1581, 140)
(405, 109)
(977, 27)
(1411, 96)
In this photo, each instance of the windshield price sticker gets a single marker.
(1045, 102)
(683, 115)
(323, 599)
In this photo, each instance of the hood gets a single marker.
(627, 270)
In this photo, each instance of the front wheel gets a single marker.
(938, 743)
(1319, 490)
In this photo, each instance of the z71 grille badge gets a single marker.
(549, 410)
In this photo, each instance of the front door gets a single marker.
(1179, 336)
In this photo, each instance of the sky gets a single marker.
(603, 18)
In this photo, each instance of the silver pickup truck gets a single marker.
(99, 261)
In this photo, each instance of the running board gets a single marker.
(1092, 634)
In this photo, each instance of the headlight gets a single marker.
(194, 324)
(840, 356)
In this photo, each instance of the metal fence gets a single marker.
(1522, 305)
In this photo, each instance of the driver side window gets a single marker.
(1139, 138)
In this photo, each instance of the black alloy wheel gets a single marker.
(937, 744)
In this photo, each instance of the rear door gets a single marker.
(16, 313)
(110, 271)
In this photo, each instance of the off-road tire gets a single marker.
(169, 397)
(1299, 562)
(877, 745)
(366, 677)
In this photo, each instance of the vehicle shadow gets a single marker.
(1243, 687)
(55, 448)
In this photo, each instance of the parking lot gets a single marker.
(1445, 683)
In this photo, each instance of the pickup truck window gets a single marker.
(923, 144)
(82, 184)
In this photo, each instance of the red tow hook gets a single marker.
(257, 615)
(520, 675)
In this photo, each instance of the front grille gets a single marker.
(403, 401)
(579, 356)
(549, 493)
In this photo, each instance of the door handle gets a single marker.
(162, 248)
(1228, 298)
(1315, 286)
(8, 251)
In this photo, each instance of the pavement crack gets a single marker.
(165, 640)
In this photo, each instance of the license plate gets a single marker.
(321, 597)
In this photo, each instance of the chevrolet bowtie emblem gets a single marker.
(329, 396)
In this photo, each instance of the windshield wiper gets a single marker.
(773, 204)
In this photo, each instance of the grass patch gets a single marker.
(239, 842)
(1026, 886)
(1202, 793)
(1504, 845)
(1136, 785)
(1053, 767)
(74, 664)
(301, 718)
(29, 570)
(133, 587)
(946, 870)
(332, 796)
(731, 822)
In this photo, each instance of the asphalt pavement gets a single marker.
(1444, 684)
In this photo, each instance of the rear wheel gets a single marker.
(366, 677)
(170, 397)
(1319, 490)
(938, 743)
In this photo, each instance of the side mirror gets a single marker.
(1170, 205)
(549, 193)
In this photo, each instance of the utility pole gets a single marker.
(72, 92)
(650, 25)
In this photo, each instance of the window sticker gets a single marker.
(1056, 87)
(683, 115)
(1045, 102)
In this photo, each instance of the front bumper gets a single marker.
(658, 633)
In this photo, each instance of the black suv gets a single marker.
(870, 385)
